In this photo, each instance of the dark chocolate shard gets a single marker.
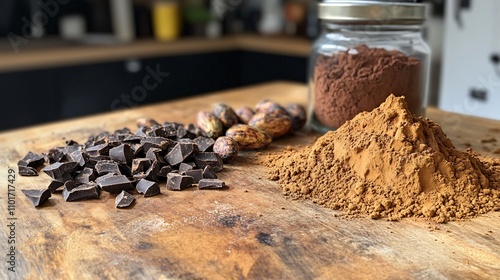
(99, 179)
(193, 130)
(55, 186)
(37, 197)
(122, 154)
(69, 185)
(140, 165)
(55, 154)
(186, 166)
(78, 156)
(115, 183)
(27, 171)
(137, 148)
(177, 182)
(205, 144)
(153, 170)
(181, 152)
(141, 131)
(81, 192)
(71, 142)
(124, 199)
(125, 169)
(211, 184)
(32, 160)
(61, 171)
(213, 160)
(107, 166)
(170, 130)
(87, 175)
(164, 171)
(148, 188)
(197, 174)
(185, 140)
(208, 173)
(155, 154)
(133, 138)
(98, 150)
(155, 142)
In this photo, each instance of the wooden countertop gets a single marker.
(249, 231)
(35, 55)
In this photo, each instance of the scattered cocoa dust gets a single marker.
(390, 164)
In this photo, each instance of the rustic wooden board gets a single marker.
(249, 231)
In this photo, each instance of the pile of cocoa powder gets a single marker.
(390, 164)
(360, 79)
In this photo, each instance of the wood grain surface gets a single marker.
(248, 231)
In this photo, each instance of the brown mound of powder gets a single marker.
(360, 80)
(390, 164)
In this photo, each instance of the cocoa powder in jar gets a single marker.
(360, 79)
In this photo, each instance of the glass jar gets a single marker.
(367, 51)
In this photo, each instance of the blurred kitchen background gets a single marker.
(61, 59)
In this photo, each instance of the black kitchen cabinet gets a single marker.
(28, 98)
(47, 95)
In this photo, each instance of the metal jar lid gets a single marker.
(372, 12)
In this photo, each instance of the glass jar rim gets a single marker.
(364, 12)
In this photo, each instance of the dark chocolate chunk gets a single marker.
(193, 130)
(140, 165)
(87, 175)
(180, 153)
(197, 174)
(69, 185)
(155, 154)
(137, 148)
(71, 143)
(27, 171)
(125, 169)
(37, 197)
(133, 138)
(81, 192)
(211, 184)
(164, 171)
(55, 186)
(55, 154)
(177, 182)
(122, 131)
(183, 133)
(185, 140)
(141, 131)
(205, 144)
(114, 183)
(61, 171)
(153, 170)
(185, 166)
(208, 173)
(98, 150)
(155, 142)
(213, 160)
(107, 166)
(78, 156)
(148, 188)
(122, 154)
(124, 199)
(31, 160)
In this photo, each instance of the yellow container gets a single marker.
(166, 20)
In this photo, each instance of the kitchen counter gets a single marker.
(247, 231)
(57, 53)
